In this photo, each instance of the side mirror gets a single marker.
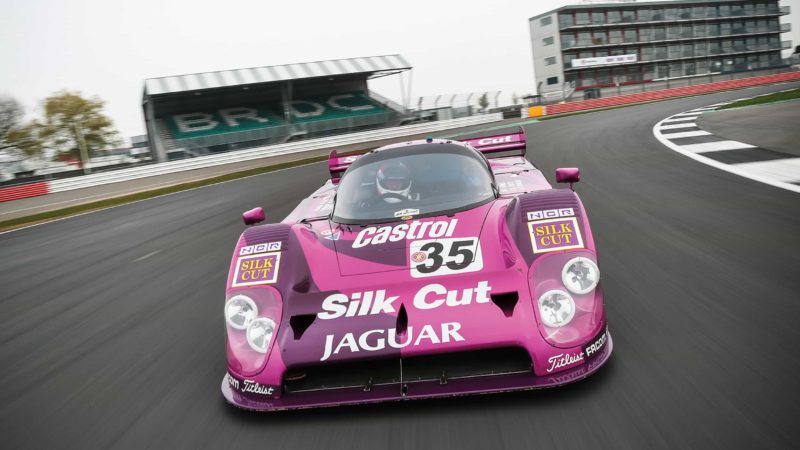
(253, 216)
(568, 175)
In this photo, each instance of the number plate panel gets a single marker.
(436, 257)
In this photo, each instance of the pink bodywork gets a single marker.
(313, 260)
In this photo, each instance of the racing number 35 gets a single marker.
(444, 256)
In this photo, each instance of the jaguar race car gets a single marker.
(422, 269)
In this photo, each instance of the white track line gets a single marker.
(679, 119)
(717, 146)
(686, 134)
(734, 169)
(786, 170)
(676, 126)
(688, 114)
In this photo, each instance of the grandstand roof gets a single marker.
(373, 65)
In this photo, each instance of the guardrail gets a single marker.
(150, 170)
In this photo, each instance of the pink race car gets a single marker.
(422, 269)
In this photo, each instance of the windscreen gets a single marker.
(415, 181)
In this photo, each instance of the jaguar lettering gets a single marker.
(374, 340)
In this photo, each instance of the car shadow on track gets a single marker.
(580, 391)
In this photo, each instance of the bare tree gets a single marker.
(11, 113)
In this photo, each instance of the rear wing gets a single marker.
(338, 164)
(513, 143)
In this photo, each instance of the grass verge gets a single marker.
(11, 224)
(793, 94)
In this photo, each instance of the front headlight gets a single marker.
(240, 311)
(556, 308)
(580, 275)
(259, 334)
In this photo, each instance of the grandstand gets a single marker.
(189, 115)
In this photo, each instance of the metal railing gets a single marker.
(151, 170)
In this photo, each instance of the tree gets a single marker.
(63, 112)
(514, 98)
(11, 113)
(483, 101)
(27, 139)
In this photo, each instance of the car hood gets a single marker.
(391, 246)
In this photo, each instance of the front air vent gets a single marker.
(300, 324)
(402, 321)
(506, 301)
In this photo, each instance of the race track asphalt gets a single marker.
(111, 329)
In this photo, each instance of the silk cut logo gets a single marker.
(437, 257)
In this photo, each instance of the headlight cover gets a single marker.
(580, 275)
(252, 318)
(240, 311)
(259, 334)
(556, 308)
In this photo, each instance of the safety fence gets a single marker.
(150, 170)
(662, 94)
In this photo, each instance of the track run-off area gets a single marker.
(112, 334)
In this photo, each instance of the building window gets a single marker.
(552, 80)
(550, 61)
(547, 41)
(615, 36)
(544, 21)
(645, 34)
(565, 20)
(647, 72)
(598, 17)
(700, 30)
(701, 48)
(629, 15)
(582, 18)
(657, 14)
(567, 40)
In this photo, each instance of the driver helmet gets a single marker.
(393, 178)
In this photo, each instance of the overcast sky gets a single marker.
(108, 47)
